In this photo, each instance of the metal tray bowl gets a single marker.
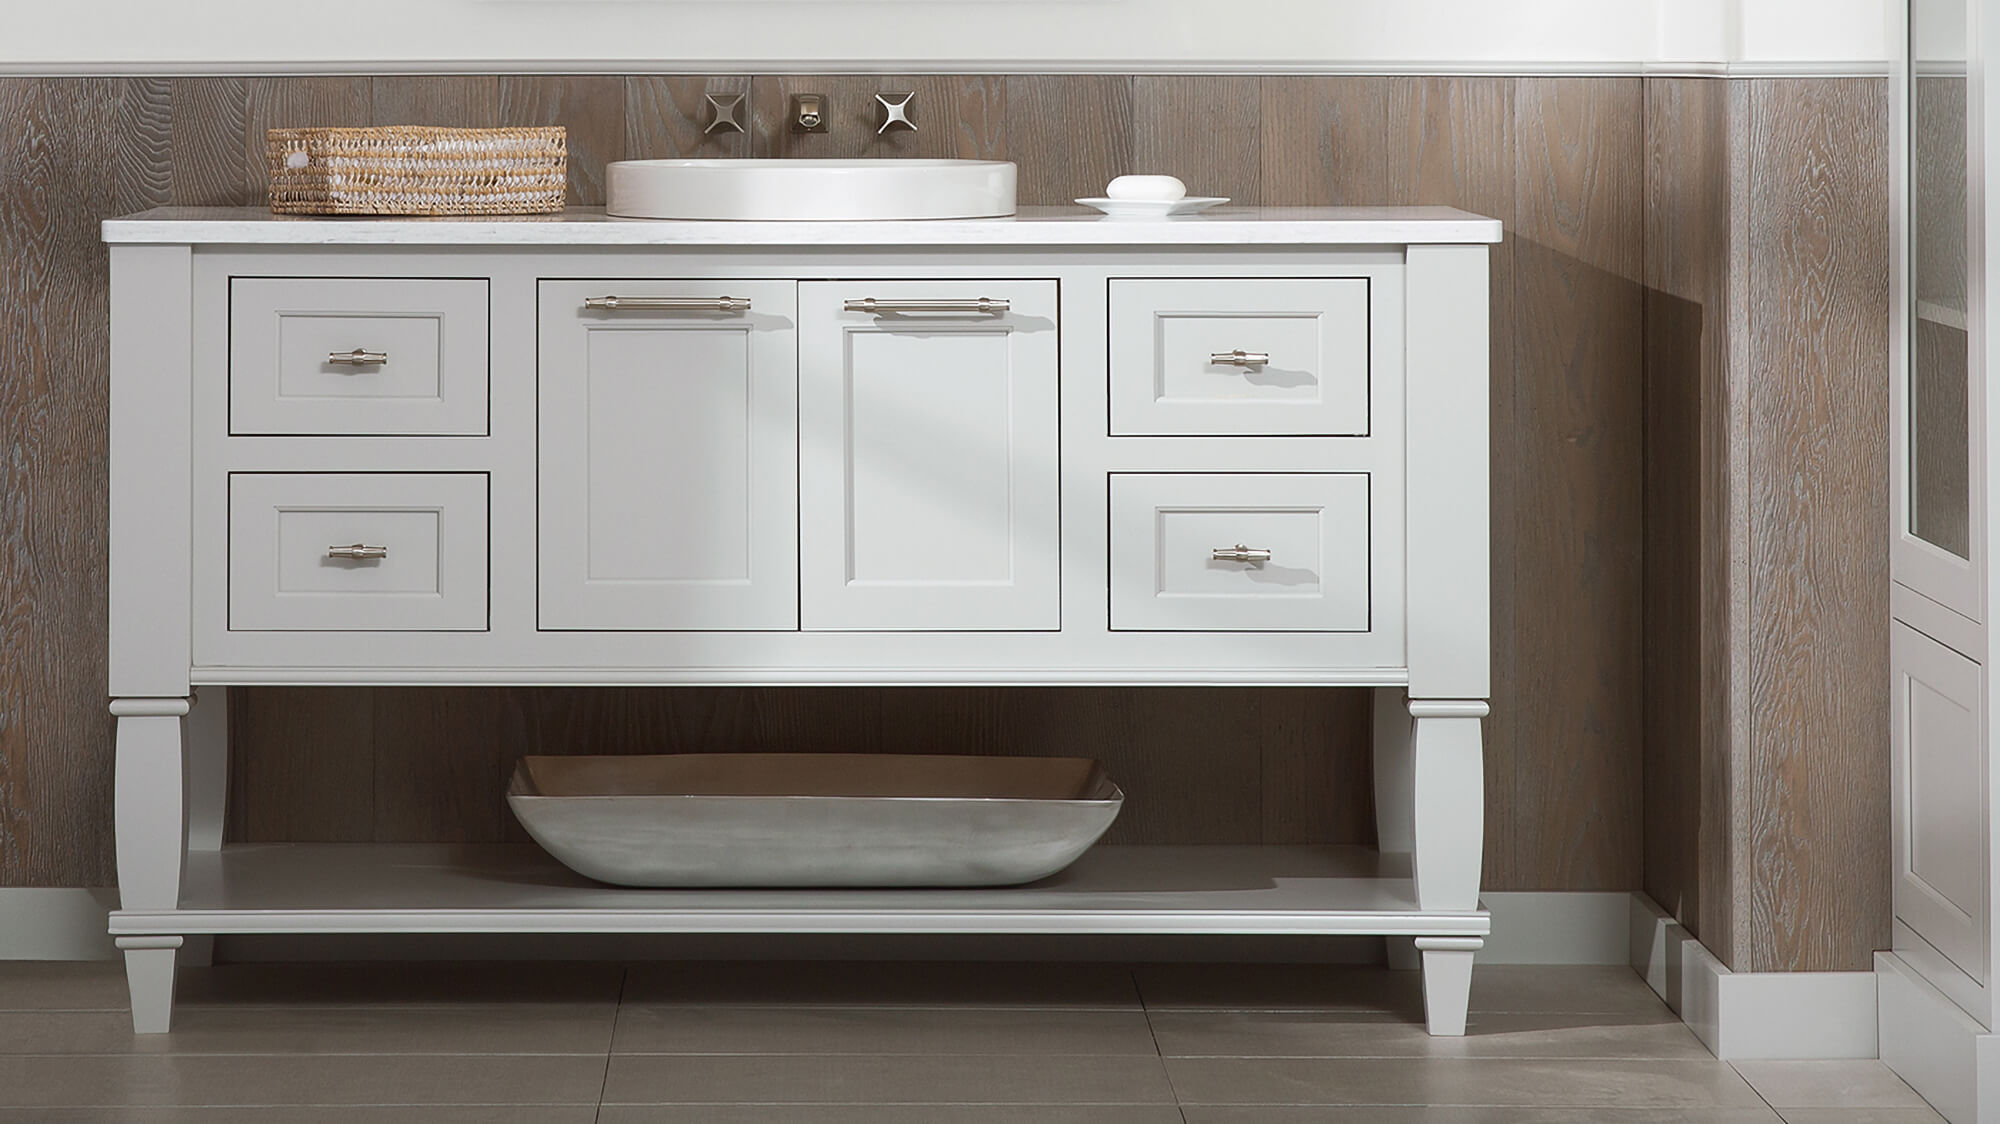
(809, 819)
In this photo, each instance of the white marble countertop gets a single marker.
(1033, 226)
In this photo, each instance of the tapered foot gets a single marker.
(1447, 981)
(149, 974)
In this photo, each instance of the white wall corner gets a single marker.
(60, 923)
(1742, 1016)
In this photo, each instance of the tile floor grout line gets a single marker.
(1147, 1013)
(611, 1043)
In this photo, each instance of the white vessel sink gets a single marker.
(798, 190)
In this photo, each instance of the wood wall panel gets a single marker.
(665, 116)
(1557, 160)
(64, 165)
(957, 117)
(1069, 134)
(1687, 468)
(458, 101)
(1325, 142)
(1206, 130)
(1814, 888)
(590, 106)
(1577, 524)
(209, 147)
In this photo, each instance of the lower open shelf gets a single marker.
(510, 888)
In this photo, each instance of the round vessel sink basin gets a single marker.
(805, 190)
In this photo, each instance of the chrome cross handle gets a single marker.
(358, 552)
(359, 357)
(1240, 358)
(1240, 553)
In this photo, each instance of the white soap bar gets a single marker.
(1165, 189)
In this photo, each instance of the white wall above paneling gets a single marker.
(136, 36)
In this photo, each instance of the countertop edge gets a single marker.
(1283, 227)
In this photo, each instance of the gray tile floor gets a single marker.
(902, 1043)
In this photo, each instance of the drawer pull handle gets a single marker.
(1240, 553)
(1240, 358)
(669, 304)
(359, 357)
(986, 306)
(357, 552)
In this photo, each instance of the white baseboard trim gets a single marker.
(1741, 1016)
(60, 923)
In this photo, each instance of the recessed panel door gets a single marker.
(928, 455)
(668, 455)
(1939, 785)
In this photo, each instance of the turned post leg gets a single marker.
(1395, 798)
(151, 811)
(206, 730)
(1448, 824)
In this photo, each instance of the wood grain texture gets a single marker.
(440, 760)
(55, 735)
(1325, 141)
(1204, 129)
(1206, 765)
(591, 107)
(209, 148)
(454, 101)
(665, 116)
(1451, 142)
(1579, 421)
(1070, 134)
(1813, 890)
(1558, 161)
(302, 765)
(1687, 468)
(957, 117)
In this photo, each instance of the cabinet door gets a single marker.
(928, 456)
(1938, 785)
(668, 457)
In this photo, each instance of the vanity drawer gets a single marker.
(289, 533)
(1176, 367)
(1305, 536)
(358, 356)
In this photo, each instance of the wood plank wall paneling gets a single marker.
(1558, 160)
(1068, 134)
(1578, 521)
(665, 116)
(59, 175)
(1818, 552)
(590, 106)
(1766, 614)
(1687, 450)
(957, 116)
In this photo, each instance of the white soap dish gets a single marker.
(1154, 208)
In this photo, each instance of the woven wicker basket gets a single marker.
(416, 170)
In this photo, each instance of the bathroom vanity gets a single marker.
(1244, 448)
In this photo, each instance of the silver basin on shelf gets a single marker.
(801, 820)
